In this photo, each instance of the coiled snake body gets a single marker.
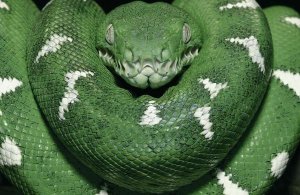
(211, 64)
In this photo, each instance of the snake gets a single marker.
(193, 97)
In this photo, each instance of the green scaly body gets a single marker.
(132, 138)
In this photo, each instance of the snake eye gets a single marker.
(186, 33)
(110, 34)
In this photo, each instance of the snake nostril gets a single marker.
(165, 54)
(128, 55)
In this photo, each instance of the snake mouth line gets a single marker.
(148, 72)
(160, 67)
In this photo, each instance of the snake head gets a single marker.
(148, 46)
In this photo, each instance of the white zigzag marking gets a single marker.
(8, 85)
(253, 47)
(71, 95)
(10, 153)
(3, 5)
(230, 188)
(102, 192)
(289, 79)
(203, 115)
(49, 3)
(150, 117)
(293, 21)
(52, 45)
(252, 4)
(213, 88)
(279, 163)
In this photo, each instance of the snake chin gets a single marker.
(145, 73)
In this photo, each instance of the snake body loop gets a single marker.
(160, 154)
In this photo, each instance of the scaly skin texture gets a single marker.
(164, 142)
(249, 162)
(43, 165)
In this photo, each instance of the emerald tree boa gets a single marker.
(196, 97)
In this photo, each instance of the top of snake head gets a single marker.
(148, 46)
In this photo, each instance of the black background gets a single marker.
(109, 5)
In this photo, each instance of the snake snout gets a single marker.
(148, 71)
(148, 67)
